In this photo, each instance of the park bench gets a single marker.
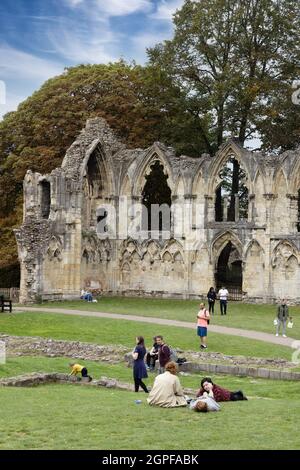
(5, 304)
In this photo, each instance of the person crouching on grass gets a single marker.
(203, 320)
(77, 368)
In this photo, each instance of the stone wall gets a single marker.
(66, 243)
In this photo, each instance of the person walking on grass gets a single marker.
(282, 317)
(139, 368)
(202, 322)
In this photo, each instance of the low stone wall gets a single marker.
(36, 346)
(242, 371)
(38, 378)
(207, 362)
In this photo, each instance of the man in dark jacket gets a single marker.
(164, 353)
(282, 317)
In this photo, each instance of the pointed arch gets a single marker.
(155, 153)
(253, 246)
(221, 240)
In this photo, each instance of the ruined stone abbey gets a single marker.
(85, 226)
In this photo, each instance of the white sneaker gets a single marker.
(277, 334)
(284, 336)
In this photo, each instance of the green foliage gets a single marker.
(139, 103)
(235, 63)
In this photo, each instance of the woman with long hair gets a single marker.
(139, 368)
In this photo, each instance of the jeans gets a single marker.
(283, 326)
(223, 307)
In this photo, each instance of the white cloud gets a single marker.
(90, 43)
(145, 40)
(23, 73)
(12, 102)
(20, 65)
(114, 7)
(166, 9)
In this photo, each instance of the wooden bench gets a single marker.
(5, 304)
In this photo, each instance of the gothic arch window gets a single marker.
(45, 199)
(156, 200)
(229, 272)
(231, 195)
(94, 176)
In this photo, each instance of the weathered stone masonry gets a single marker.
(61, 250)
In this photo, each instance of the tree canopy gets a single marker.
(235, 62)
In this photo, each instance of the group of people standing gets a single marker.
(212, 296)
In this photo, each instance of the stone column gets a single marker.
(236, 208)
(225, 207)
(293, 213)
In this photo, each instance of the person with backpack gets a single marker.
(202, 322)
(164, 353)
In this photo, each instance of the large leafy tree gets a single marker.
(140, 103)
(235, 62)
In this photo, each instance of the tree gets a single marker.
(234, 60)
(141, 104)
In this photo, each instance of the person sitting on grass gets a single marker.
(209, 389)
(86, 295)
(167, 391)
(77, 368)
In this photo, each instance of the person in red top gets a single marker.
(208, 388)
(202, 322)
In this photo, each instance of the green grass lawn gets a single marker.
(72, 417)
(247, 316)
(122, 332)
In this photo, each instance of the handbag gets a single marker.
(290, 324)
(275, 322)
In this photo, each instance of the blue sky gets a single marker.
(38, 38)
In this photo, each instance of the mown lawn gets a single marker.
(247, 316)
(72, 417)
(121, 332)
